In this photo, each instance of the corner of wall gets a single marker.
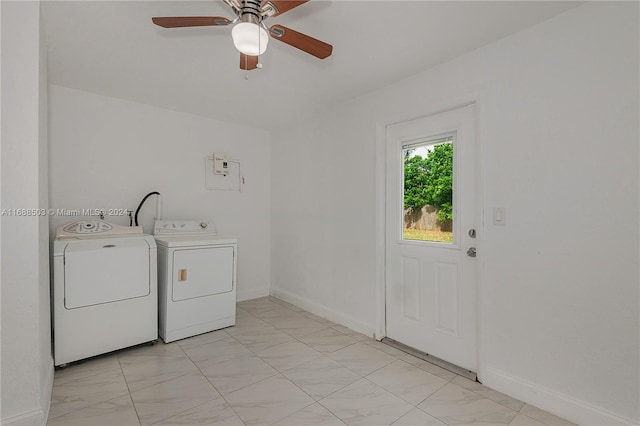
(30, 418)
(46, 359)
(47, 390)
(40, 415)
(27, 365)
(253, 293)
(323, 311)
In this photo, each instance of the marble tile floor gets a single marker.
(279, 365)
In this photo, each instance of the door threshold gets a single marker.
(471, 375)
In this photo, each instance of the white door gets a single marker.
(430, 277)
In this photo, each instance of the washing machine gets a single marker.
(105, 289)
(196, 278)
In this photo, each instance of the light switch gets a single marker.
(499, 216)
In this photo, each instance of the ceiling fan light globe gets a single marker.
(250, 38)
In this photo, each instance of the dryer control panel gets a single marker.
(185, 227)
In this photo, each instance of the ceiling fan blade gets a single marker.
(248, 62)
(308, 44)
(280, 6)
(190, 21)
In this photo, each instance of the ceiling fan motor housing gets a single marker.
(251, 12)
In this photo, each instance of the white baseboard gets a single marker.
(560, 404)
(30, 418)
(323, 311)
(252, 293)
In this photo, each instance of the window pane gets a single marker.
(428, 190)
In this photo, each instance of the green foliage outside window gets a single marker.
(429, 181)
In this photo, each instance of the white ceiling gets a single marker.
(112, 48)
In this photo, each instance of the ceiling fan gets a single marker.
(250, 34)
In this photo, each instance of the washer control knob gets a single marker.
(203, 225)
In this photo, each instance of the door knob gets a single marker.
(471, 252)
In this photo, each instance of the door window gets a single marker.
(428, 189)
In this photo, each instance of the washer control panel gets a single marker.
(87, 227)
(184, 227)
(94, 229)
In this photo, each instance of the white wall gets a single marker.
(46, 359)
(109, 153)
(27, 365)
(558, 119)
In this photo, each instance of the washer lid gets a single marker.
(192, 240)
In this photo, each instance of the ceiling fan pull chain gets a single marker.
(259, 65)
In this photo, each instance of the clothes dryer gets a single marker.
(196, 278)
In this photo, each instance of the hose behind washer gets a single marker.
(141, 203)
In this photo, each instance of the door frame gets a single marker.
(380, 214)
